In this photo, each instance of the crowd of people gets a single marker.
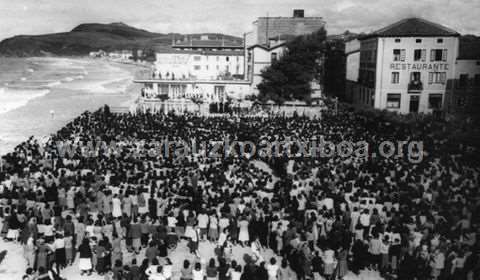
(303, 217)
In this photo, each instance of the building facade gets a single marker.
(202, 65)
(193, 74)
(260, 57)
(265, 28)
(463, 92)
(404, 67)
(352, 56)
(265, 43)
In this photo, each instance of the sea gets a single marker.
(39, 95)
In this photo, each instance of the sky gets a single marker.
(234, 17)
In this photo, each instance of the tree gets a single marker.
(289, 77)
(335, 68)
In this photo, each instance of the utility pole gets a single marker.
(267, 41)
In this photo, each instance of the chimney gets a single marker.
(298, 13)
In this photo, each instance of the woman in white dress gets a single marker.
(243, 237)
(117, 207)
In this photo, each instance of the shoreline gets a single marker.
(68, 100)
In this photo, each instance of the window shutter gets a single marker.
(402, 55)
(444, 55)
(430, 77)
(432, 55)
(424, 54)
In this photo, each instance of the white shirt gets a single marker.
(197, 274)
(272, 270)
(59, 243)
(202, 220)
(328, 202)
(224, 222)
(171, 221)
(365, 219)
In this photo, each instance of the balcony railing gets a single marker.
(173, 77)
(415, 86)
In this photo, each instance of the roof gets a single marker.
(290, 18)
(203, 52)
(263, 46)
(469, 48)
(413, 27)
(208, 44)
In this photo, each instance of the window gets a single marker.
(273, 57)
(437, 77)
(477, 80)
(418, 40)
(206, 67)
(197, 58)
(419, 55)
(218, 67)
(393, 100)
(415, 77)
(238, 58)
(435, 101)
(438, 55)
(399, 55)
(218, 58)
(196, 67)
(395, 77)
(439, 40)
(227, 58)
(397, 40)
(462, 82)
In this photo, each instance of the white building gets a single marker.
(403, 67)
(202, 65)
(260, 57)
(352, 54)
(122, 54)
(192, 75)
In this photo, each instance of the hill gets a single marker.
(91, 37)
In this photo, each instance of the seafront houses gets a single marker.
(266, 41)
(405, 67)
(195, 72)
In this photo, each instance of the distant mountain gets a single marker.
(92, 37)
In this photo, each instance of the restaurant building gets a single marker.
(403, 67)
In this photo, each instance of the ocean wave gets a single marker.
(52, 84)
(13, 98)
(71, 79)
